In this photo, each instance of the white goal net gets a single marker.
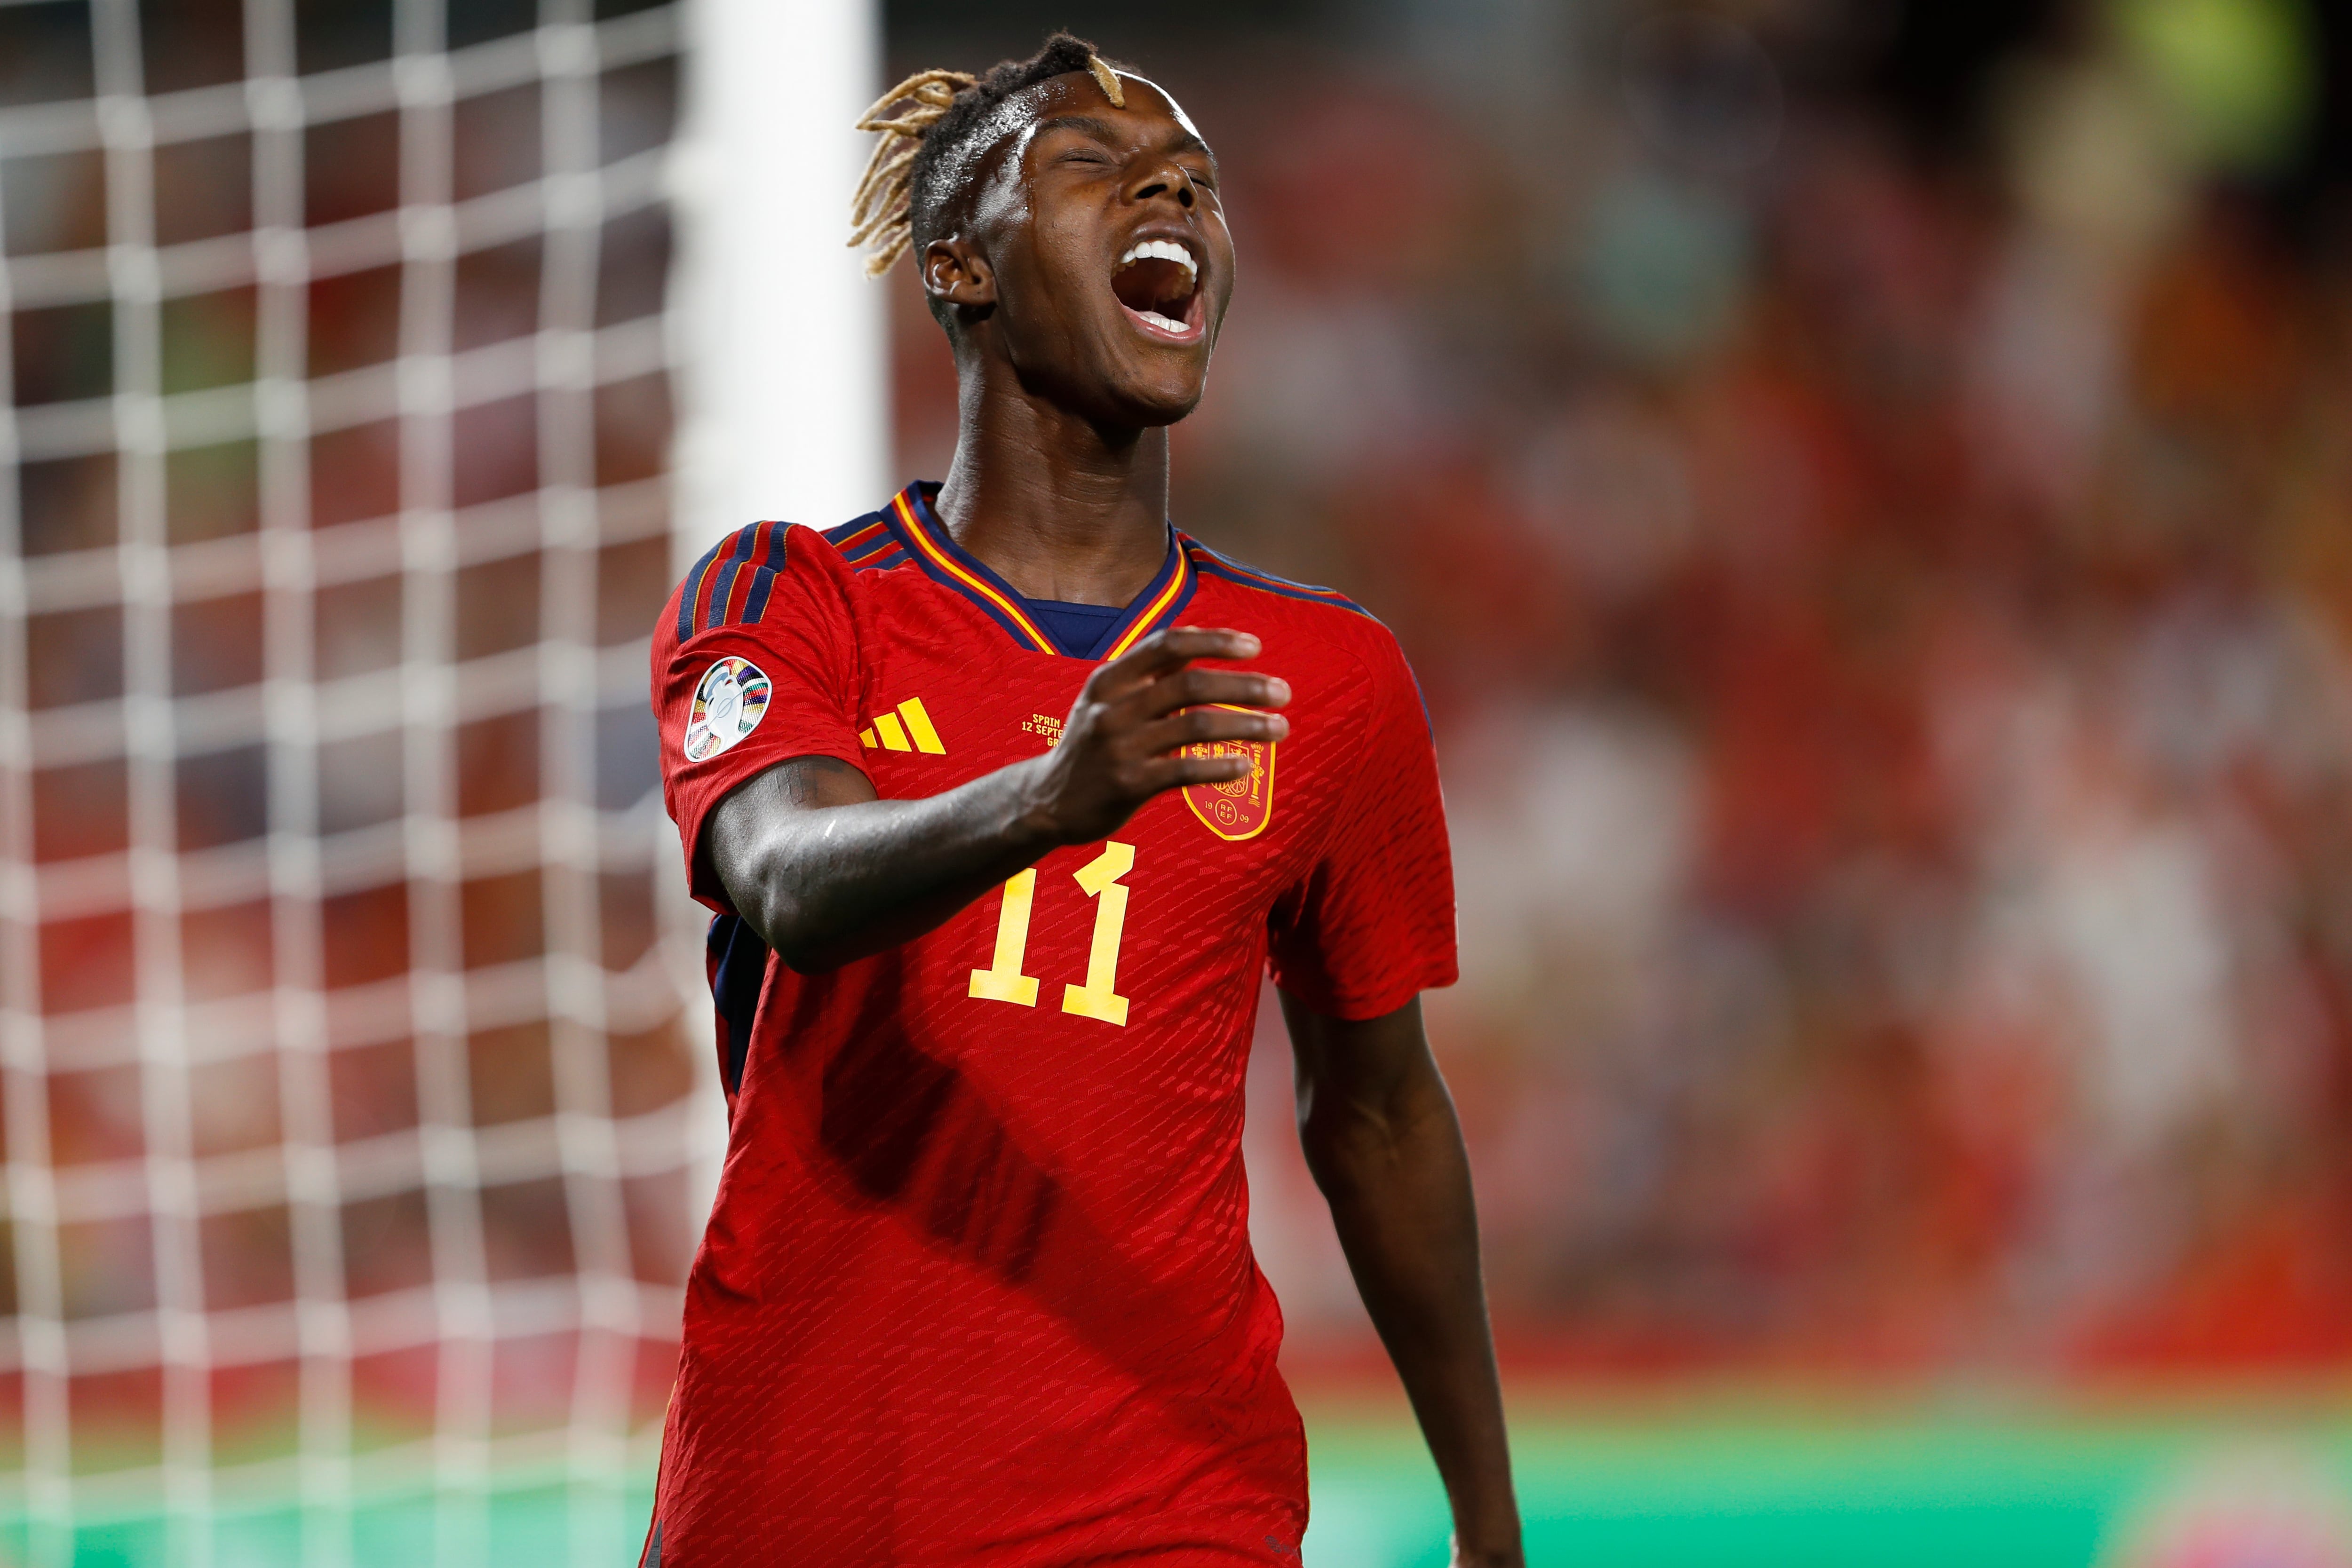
(348, 1056)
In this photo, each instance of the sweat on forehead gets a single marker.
(937, 128)
(957, 166)
(1005, 126)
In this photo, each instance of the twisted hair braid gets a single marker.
(1109, 80)
(880, 213)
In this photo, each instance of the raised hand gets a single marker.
(1126, 736)
(825, 872)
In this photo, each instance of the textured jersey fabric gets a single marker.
(977, 1286)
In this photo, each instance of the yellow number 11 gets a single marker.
(1002, 980)
(1098, 998)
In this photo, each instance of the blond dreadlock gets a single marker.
(881, 214)
(1110, 80)
(878, 214)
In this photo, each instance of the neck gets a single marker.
(1060, 507)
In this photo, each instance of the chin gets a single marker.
(1149, 405)
(1116, 392)
(1155, 385)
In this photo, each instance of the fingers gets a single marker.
(1145, 722)
(1194, 726)
(1168, 650)
(1191, 688)
(1165, 773)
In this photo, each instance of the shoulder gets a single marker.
(1217, 566)
(753, 574)
(1324, 616)
(867, 543)
(1305, 615)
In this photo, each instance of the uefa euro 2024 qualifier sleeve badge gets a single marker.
(728, 705)
(1235, 808)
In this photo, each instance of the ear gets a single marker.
(955, 273)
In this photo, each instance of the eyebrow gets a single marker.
(1103, 131)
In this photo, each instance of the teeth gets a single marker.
(1161, 250)
(1162, 322)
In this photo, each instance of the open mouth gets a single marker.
(1159, 283)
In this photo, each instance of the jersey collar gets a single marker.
(927, 539)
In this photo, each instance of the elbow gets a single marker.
(766, 889)
(809, 957)
(1353, 1145)
(799, 957)
(1347, 1147)
(807, 941)
(784, 924)
(799, 943)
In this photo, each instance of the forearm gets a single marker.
(1400, 1202)
(1379, 1134)
(826, 873)
(823, 887)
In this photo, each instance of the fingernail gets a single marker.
(1278, 690)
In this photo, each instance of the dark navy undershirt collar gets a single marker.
(1050, 625)
(1080, 629)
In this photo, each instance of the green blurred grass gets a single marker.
(1685, 1483)
(1667, 1482)
(525, 1522)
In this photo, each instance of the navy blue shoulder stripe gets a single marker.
(763, 582)
(867, 543)
(857, 528)
(1211, 564)
(690, 589)
(730, 586)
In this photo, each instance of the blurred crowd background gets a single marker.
(1867, 491)
(1866, 488)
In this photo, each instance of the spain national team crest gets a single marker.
(727, 707)
(1237, 808)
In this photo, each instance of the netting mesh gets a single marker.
(347, 1129)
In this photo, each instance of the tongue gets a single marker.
(1154, 285)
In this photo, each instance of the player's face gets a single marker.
(1105, 241)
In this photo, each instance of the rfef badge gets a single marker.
(727, 707)
(1235, 808)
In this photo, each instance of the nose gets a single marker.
(1164, 179)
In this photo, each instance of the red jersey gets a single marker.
(977, 1287)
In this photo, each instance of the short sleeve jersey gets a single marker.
(977, 1286)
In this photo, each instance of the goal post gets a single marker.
(784, 384)
(357, 1115)
(782, 338)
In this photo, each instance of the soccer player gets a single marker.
(1006, 795)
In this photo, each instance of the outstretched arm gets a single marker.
(1380, 1133)
(826, 873)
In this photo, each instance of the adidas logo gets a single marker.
(915, 735)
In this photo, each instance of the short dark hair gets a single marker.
(943, 162)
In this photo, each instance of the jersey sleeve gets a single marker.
(754, 663)
(1369, 925)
